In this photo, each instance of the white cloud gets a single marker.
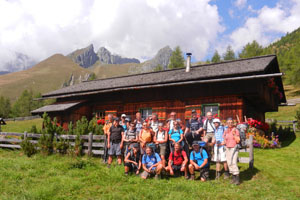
(240, 3)
(269, 22)
(132, 28)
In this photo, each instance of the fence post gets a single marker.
(294, 126)
(251, 152)
(25, 135)
(90, 144)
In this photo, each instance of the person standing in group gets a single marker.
(161, 139)
(151, 164)
(231, 140)
(138, 122)
(153, 122)
(115, 141)
(178, 161)
(193, 129)
(130, 137)
(176, 135)
(199, 162)
(123, 122)
(145, 137)
(132, 161)
(219, 150)
(106, 128)
(209, 128)
(171, 120)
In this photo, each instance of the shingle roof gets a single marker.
(55, 107)
(250, 66)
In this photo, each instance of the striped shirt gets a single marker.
(219, 134)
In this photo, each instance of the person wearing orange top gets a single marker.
(231, 140)
(145, 137)
(106, 128)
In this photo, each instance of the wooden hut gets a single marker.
(246, 87)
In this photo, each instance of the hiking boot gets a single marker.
(192, 177)
(126, 173)
(237, 180)
(226, 175)
(218, 174)
(233, 179)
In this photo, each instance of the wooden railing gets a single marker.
(92, 144)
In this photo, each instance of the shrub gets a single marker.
(62, 146)
(95, 127)
(33, 129)
(28, 148)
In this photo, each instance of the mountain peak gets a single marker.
(106, 57)
(85, 57)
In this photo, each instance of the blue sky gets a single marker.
(139, 28)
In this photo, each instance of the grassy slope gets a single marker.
(276, 176)
(111, 70)
(46, 76)
(286, 112)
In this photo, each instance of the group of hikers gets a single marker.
(150, 146)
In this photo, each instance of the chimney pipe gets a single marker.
(188, 62)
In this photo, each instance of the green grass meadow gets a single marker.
(276, 176)
(21, 126)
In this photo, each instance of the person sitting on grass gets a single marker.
(219, 150)
(133, 160)
(161, 139)
(178, 161)
(199, 162)
(115, 142)
(176, 135)
(151, 164)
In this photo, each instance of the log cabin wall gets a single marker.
(232, 98)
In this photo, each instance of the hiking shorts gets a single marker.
(146, 174)
(176, 167)
(162, 149)
(219, 154)
(132, 167)
(204, 173)
(115, 149)
(209, 136)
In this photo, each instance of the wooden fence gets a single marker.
(285, 123)
(23, 118)
(93, 144)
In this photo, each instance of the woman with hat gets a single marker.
(219, 149)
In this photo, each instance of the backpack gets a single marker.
(206, 121)
(208, 154)
(173, 156)
(242, 129)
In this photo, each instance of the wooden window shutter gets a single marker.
(188, 111)
(113, 112)
(161, 113)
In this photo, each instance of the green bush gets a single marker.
(62, 146)
(33, 129)
(28, 148)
